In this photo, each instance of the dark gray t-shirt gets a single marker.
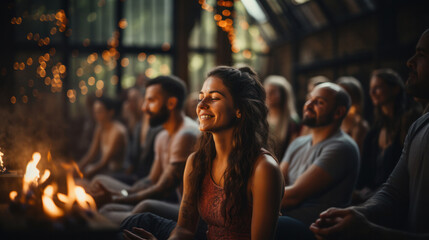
(339, 157)
(407, 188)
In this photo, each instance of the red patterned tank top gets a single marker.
(210, 210)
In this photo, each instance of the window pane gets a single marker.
(203, 34)
(92, 22)
(149, 22)
(89, 74)
(151, 65)
(199, 65)
(36, 22)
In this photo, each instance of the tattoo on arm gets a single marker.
(188, 215)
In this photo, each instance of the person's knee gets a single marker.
(142, 220)
(106, 208)
(145, 206)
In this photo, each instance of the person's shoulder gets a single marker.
(162, 136)
(267, 164)
(266, 169)
(190, 127)
(342, 142)
(119, 127)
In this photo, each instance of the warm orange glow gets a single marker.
(22, 66)
(53, 31)
(98, 93)
(149, 72)
(70, 93)
(226, 13)
(165, 69)
(100, 84)
(13, 99)
(79, 72)
(45, 176)
(62, 69)
(217, 17)
(91, 81)
(46, 57)
(76, 194)
(83, 199)
(49, 206)
(32, 174)
(106, 55)
(82, 83)
(13, 195)
(125, 62)
(141, 57)
(84, 90)
(151, 59)
(47, 81)
(25, 99)
(114, 80)
(123, 23)
(247, 54)
(2, 168)
(29, 61)
(98, 69)
(36, 37)
(29, 36)
(16, 66)
(166, 46)
(42, 73)
(43, 65)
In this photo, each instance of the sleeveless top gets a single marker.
(210, 209)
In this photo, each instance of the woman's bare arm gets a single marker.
(267, 191)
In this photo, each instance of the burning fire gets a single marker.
(2, 168)
(32, 174)
(49, 206)
(55, 204)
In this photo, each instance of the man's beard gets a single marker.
(321, 122)
(156, 119)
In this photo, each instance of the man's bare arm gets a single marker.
(169, 180)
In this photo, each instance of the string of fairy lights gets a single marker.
(52, 72)
(224, 20)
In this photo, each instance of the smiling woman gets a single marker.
(232, 182)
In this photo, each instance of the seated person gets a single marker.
(406, 188)
(383, 144)
(320, 169)
(108, 143)
(354, 124)
(163, 104)
(231, 181)
(283, 119)
(140, 151)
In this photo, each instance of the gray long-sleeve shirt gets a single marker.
(407, 188)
